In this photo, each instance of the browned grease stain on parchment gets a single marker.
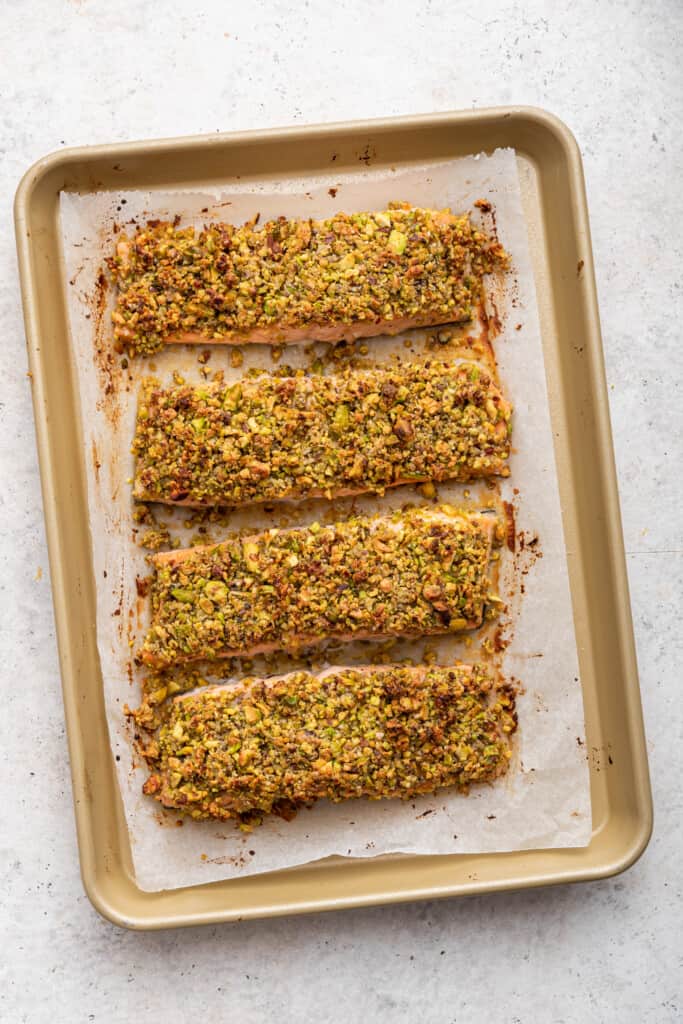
(525, 549)
(96, 463)
(510, 538)
(108, 362)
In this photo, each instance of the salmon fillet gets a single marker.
(412, 573)
(280, 438)
(274, 745)
(349, 276)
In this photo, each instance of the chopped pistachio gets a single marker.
(250, 551)
(397, 242)
(216, 592)
(341, 417)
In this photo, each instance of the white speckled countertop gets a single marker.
(92, 71)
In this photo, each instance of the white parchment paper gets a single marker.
(544, 801)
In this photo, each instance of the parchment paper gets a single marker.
(544, 801)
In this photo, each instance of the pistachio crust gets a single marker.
(271, 746)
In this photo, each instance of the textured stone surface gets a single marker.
(90, 71)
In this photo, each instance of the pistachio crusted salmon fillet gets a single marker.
(350, 276)
(298, 437)
(272, 746)
(417, 572)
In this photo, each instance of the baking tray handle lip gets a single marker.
(642, 837)
(31, 178)
(108, 910)
(632, 852)
(544, 119)
(56, 158)
(637, 845)
(161, 921)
